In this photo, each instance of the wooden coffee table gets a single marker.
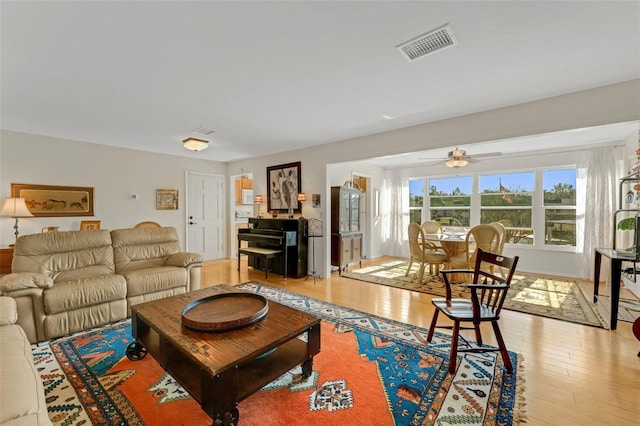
(220, 369)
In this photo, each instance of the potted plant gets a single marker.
(629, 224)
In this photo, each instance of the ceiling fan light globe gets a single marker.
(456, 162)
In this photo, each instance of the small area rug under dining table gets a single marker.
(560, 299)
(370, 371)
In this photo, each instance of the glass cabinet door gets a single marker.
(355, 212)
(344, 212)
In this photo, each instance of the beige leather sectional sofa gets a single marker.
(64, 282)
(22, 400)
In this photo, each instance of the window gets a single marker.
(508, 199)
(537, 207)
(559, 207)
(450, 200)
(416, 200)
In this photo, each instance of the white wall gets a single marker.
(115, 174)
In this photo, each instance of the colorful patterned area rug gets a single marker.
(370, 371)
(547, 297)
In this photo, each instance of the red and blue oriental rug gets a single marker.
(370, 371)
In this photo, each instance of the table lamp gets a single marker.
(301, 197)
(15, 208)
(258, 201)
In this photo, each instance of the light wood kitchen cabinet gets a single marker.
(242, 183)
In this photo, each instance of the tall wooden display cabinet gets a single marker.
(346, 236)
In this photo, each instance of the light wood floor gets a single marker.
(574, 374)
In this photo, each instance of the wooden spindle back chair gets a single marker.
(488, 293)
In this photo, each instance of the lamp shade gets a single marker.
(302, 196)
(258, 199)
(195, 144)
(15, 207)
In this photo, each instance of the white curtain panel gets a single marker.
(599, 201)
(394, 211)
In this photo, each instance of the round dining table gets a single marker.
(454, 244)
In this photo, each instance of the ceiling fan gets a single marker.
(459, 158)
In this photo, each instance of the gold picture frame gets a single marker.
(89, 225)
(166, 199)
(55, 200)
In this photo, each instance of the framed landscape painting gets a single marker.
(55, 201)
(283, 183)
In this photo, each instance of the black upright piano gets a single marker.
(294, 234)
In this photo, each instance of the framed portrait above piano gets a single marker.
(284, 184)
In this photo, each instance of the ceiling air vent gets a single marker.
(428, 43)
(202, 131)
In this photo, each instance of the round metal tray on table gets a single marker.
(223, 312)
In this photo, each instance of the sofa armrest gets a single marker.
(23, 280)
(8, 311)
(184, 259)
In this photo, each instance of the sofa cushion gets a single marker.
(139, 248)
(8, 311)
(150, 280)
(80, 293)
(65, 255)
(22, 280)
(21, 390)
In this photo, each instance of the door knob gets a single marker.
(192, 223)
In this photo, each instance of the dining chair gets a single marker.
(488, 293)
(147, 224)
(503, 235)
(485, 237)
(431, 227)
(424, 252)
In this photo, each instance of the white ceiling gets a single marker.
(274, 76)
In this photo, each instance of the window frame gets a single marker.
(545, 208)
(414, 208)
(429, 209)
(530, 207)
(538, 208)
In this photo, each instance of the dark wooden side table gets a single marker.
(616, 271)
(6, 257)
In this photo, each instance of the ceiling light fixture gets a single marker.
(456, 163)
(457, 159)
(195, 144)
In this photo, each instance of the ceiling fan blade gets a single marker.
(486, 154)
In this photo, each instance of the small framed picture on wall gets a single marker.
(166, 199)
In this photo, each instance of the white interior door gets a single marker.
(205, 215)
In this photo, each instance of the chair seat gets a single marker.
(438, 300)
(462, 309)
